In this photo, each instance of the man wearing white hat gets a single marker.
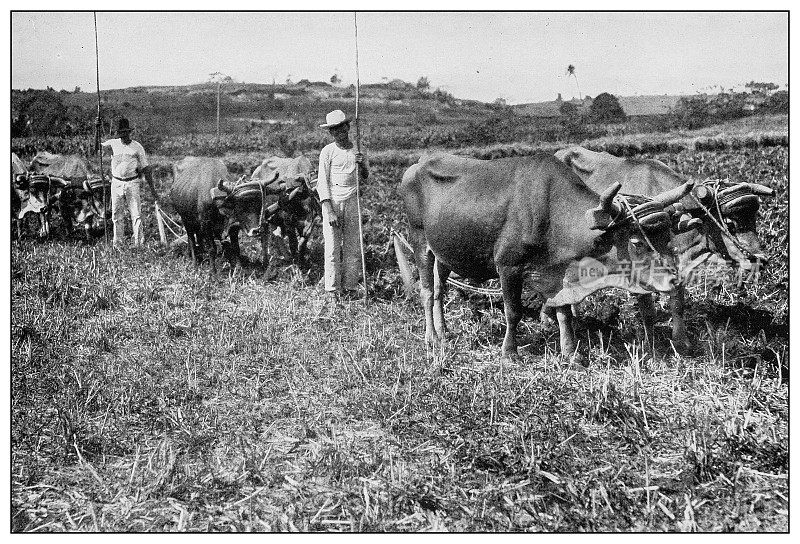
(128, 164)
(336, 186)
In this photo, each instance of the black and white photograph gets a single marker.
(398, 271)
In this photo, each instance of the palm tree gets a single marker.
(219, 78)
(571, 72)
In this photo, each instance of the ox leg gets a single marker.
(44, 225)
(676, 305)
(191, 243)
(266, 237)
(303, 244)
(425, 261)
(212, 254)
(566, 332)
(439, 294)
(235, 252)
(511, 282)
(208, 235)
(566, 335)
(67, 210)
(648, 311)
(291, 233)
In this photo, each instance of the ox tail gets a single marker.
(404, 266)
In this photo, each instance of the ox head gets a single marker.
(730, 231)
(639, 228)
(36, 192)
(241, 204)
(294, 176)
(91, 208)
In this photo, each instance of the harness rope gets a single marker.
(636, 221)
(454, 282)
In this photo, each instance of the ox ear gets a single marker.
(220, 199)
(598, 219)
(578, 159)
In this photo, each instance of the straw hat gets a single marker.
(334, 119)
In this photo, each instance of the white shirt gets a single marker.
(128, 159)
(336, 173)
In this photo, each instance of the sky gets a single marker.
(520, 57)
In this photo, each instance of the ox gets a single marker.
(37, 194)
(70, 167)
(505, 217)
(298, 208)
(18, 174)
(92, 205)
(209, 213)
(728, 220)
(62, 182)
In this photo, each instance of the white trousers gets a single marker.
(121, 192)
(342, 246)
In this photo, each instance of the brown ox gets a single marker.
(290, 204)
(212, 211)
(506, 217)
(728, 217)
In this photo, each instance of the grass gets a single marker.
(149, 396)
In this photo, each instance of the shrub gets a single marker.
(606, 109)
(568, 108)
(776, 103)
(691, 112)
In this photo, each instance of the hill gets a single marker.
(646, 105)
(285, 118)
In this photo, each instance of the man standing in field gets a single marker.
(336, 186)
(128, 164)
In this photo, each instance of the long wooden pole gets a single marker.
(98, 127)
(358, 169)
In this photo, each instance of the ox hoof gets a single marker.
(685, 347)
(575, 361)
(578, 361)
(432, 341)
(510, 357)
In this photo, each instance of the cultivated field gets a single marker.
(148, 396)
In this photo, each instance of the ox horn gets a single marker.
(755, 188)
(761, 190)
(222, 187)
(601, 216)
(607, 199)
(674, 195)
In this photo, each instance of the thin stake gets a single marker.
(358, 170)
(98, 127)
